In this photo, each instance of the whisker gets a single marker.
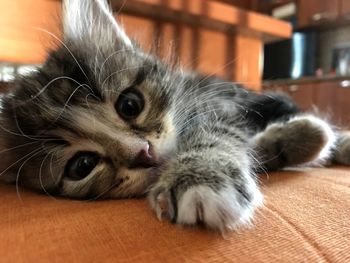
(40, 174)
(43, 89)
(18, 161)
(65, 46)
(35, 138)
(16, 147)
(67, 102)
(37, 151)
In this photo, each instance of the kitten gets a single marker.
(102, 119)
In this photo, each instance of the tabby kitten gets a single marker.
(102, 119)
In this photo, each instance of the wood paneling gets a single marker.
(140, 29)
(246, 4)
(212, 53)
(302, 94)
(208, 36)
(168, 42)
(194, 7)
(20, 39)
(189, 52)
(250, 20)
(234, 57)
(330, 99)
(342, 106)
(247, 58)
(324, 98)
(345, 8)
(219, 17)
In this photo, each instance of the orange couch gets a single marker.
(306, 218)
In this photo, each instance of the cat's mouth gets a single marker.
(143, 165)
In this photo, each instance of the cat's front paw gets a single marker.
(224, 208)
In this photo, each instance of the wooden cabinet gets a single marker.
(219, 39)
(313, 12)
(302, 94)
(324, 98)
(342, 103)
(345, 8)
(333, 99)
(330, 99)
(245, 4)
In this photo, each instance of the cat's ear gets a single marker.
(92, 20)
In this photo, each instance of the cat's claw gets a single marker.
(163, 207)
(221, 210)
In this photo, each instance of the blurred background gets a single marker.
(299, 47)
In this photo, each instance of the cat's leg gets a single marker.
(210, 182)
(302, 139)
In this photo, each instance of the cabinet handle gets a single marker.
(293, 88)
(345, 84)
(321, 16)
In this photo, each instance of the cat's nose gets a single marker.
(144, 159)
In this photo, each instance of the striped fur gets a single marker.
(209, 137)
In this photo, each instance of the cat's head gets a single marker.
(96, 119)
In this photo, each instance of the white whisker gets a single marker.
(65, 46)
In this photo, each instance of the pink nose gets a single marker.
(144, 159)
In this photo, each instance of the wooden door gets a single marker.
(313, 12)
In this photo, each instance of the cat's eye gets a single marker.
(81, 165)
(130, 104)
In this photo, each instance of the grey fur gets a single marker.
(203, 130)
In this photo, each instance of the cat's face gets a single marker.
(96, 120)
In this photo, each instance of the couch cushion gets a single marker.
(306, 218)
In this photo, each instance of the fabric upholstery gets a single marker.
(306, 218)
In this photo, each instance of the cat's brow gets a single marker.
(140, 76)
